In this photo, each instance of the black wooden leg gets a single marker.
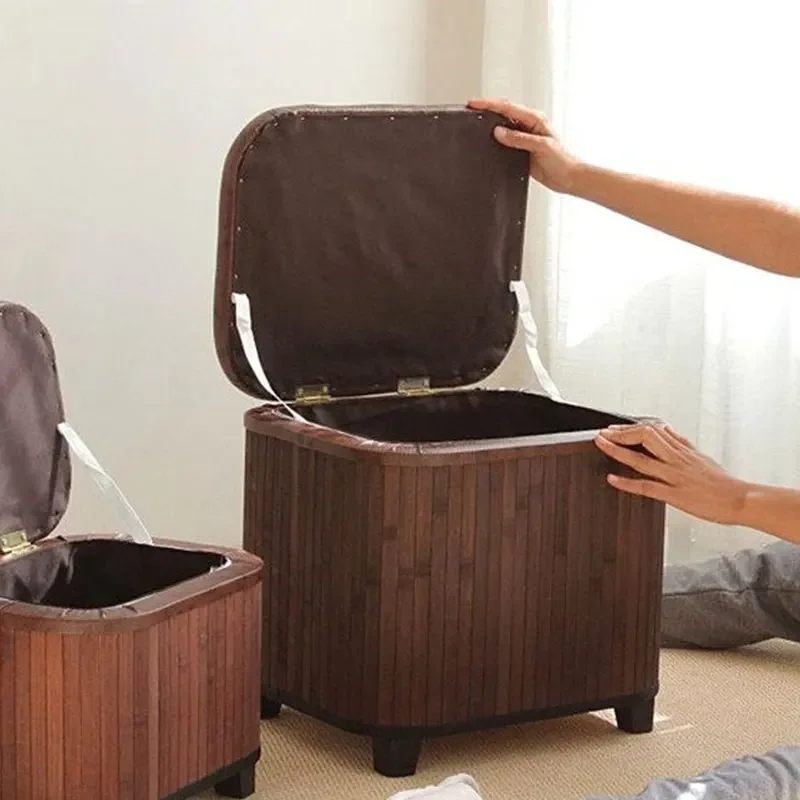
(269, 708)
(636, 717)
(395, 758)
(242, 784)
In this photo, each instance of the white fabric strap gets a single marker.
(132, 525)
(531, 339)
(244, 327)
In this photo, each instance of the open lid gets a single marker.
(35, 470)
(375, 245)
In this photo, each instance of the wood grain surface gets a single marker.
(418, 594)
(130, 712)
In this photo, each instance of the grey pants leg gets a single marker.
(728, 602)
(733, 601)
(773, 776)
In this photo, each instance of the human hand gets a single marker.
(673, 471)
(551, 164)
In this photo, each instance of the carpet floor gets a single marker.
(712, 707)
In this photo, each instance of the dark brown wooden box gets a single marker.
(129, 671)
(437, 558)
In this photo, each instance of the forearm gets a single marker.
(749, 230)
(772, 510)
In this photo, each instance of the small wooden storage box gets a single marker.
(437, 558)
(128, 670)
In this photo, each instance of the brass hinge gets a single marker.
(309, 395)
(14, 543)
(414, 386)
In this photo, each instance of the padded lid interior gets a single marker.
(34, 459)
(375, 244)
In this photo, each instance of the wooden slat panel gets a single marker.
(631, 534)
(339, 591)
(436, 654)
(8, 755)
(54, 673)
(294, 574)
(236, 684)
(494, 591)
(654, 579)
(204, 720)
(648, 601)
(166, 737)
(252, 672)
(255, 535)
(452, 594)
(223, 657)
(183, 685)
(420, 644)
(225, 692)
(589, 553)
(578, 599)
(327, 639)
(519, 584)
(282, 534)
(335, 608)
(22, 728)
(358, 533)
(637, 615)
(569, 481)
(478, 706)
(622, 568)
(146, 686)
(404, 633)
(557, 643)
(270, 553)
(533, 585)
(38, 718)
(127, 764)
(349, 587)
(74, 742)
(389, 577)
(307, 480)
(109, 717)
(216, 652)
(317, 496)
(374, 506)
(544, 577)
(505, 623)
(172, 684)
(193, 726)
(595, 522)
(466, 599)
(608, 607)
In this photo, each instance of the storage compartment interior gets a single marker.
(99, 573)
(457, 416)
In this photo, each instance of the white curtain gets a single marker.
(701, 91)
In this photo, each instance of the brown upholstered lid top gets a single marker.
(34, 459)
(375, 244)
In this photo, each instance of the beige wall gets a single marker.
(115, 119)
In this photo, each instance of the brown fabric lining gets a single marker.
(457, 416)
(35, 471)
(374, 244)
(99, 573)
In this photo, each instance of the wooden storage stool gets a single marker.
(129, 670)
(438, 557)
